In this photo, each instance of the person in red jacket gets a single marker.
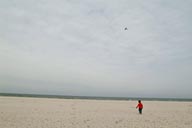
(140, 106)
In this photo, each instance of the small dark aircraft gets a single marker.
(126, 28)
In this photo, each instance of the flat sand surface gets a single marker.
(19, 112)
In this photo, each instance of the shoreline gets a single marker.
(94, 97)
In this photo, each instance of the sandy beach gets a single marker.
(20, 112)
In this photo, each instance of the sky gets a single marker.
(71, 47)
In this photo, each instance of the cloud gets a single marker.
(85, 43)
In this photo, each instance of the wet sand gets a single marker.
(20, 112)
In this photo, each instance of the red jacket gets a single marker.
(140, 105)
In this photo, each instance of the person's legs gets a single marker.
(140, 111)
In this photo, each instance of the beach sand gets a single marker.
(20, 112)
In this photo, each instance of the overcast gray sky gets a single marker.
(80, 47)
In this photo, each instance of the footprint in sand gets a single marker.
(118, 121)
